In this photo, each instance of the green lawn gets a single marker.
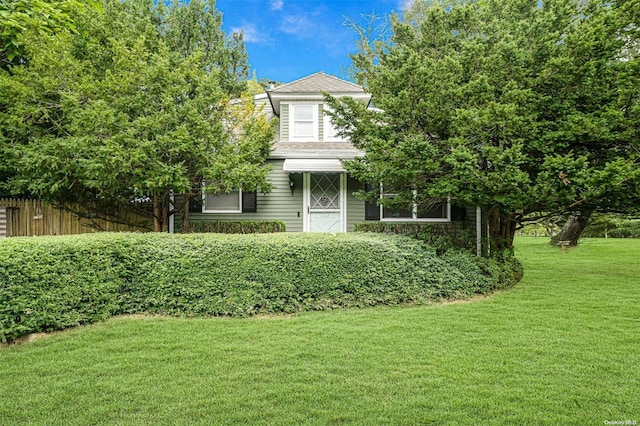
(562, 347)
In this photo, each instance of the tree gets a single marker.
(40, 16)
(18, 17)
(504, 104)
(196, 26)
(115, 113)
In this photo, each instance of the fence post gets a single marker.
(3, 222)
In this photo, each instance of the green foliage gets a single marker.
(442, 237)
(50, 283)
(34, 16)
(612, 226)
(561, 349)
(196, 26)
(239, 227)
(512, 105)
(128, 107)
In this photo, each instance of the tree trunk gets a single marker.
(186, 226)
(573, 228)
(165, 212)
(502, 229)
(157, 213)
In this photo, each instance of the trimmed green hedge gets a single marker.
(442, 236)
(50, 283)
(239, 227)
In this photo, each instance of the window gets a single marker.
(222, 202)
(235, 201)
(329, 132)
(303, 122)
(435, 212)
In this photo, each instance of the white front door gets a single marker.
(325, 202)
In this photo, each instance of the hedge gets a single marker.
(50, 283)
(239, 227)
(442, 236)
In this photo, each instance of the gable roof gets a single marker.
(312, 87)
(317, 83)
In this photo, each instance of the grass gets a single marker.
(562, 347)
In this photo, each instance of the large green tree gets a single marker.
(516, 106)
(117, 112)
(40, 16)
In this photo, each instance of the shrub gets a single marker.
(50, 283)
(239, 227)
(457, 245)
(441, 236)
(612, 226)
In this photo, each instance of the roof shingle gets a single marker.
(318, 82)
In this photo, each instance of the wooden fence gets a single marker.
(35, 217)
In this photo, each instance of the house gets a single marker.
(312, 192)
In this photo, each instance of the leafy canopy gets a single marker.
(510, 105)
(126, 109)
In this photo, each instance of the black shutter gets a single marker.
(195, 204)
(458, 212)
(371, 208)
(250, 202)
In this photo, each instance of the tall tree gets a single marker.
(40, 16)
(114, 114)
(196, 26)
(510, 105)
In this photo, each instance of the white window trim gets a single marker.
(205, 210)
(327, 124)
(292, 136)
(414, 213)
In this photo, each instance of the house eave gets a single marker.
(340, 155)
(278, 98)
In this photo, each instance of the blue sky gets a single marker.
(290, 39)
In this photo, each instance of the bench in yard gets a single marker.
(564, 245)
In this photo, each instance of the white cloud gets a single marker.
(251, 34)
(276, 4)
(299, 25)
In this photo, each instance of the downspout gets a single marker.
(478, 231)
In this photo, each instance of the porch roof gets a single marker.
(301, 165)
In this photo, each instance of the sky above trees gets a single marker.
(290, 39)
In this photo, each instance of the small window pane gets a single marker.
(303, 112)
(432, 211)
(303, 129)
(223, 202)
(395, 212)
(330, 131)
(388, 213)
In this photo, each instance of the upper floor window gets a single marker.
(303, 122)
(329, 132)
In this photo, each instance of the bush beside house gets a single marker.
(50, 283)
(239, 226)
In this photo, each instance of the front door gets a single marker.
(324, 202)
